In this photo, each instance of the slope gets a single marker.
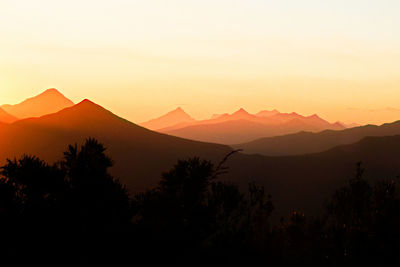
(307, 142)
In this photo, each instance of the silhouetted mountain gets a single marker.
(243, 127)
(175, 117)
(307, 142)
(140, 154)
(50, 101)
(304, 182)
(6, 117)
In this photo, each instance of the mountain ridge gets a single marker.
(5, 117)
(308, 142)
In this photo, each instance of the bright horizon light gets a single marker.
(141, 59)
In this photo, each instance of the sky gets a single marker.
(140, 59)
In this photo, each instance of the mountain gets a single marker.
(140, 155)
(308, 142)
(50, 101)
(241, 114)
(304, 182)
(175, 117)
(6, 117)
(242, 127)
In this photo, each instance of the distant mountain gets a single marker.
(6, 117)
(140, 155)
(241, 114)
(308, 142)
(350, 125)
(175, 117)
(50, 101)
(242, 126)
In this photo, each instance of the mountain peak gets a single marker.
(178, 110)
(169, 119)
(241, 111)
(88, 105)
(51, 90)
(47, 102)
(314, 116)
(86, 102)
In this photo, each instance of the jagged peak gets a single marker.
(240, 111)
(178, 110)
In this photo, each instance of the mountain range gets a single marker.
(140, 155)
(299, 182)
(242, 126)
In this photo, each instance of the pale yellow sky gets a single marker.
(140, 59)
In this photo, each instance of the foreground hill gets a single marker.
(6, 117)
(304, 182)
(308, 142)
(50, 101)
(140, 155)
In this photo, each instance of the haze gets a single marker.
(144, 58)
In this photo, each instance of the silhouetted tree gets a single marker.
(76, 194)
(97, 200)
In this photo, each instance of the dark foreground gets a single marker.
(75, 211)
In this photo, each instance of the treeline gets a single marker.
(189, 217)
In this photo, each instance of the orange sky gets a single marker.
(143, 58)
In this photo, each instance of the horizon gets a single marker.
(178, 108)
(141, 60)
(212, 114)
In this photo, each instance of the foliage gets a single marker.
(192, 216)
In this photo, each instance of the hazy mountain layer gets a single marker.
(307, 142)
(48, 102)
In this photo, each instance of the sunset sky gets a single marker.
(140, 59)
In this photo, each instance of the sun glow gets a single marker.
(143, 58)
